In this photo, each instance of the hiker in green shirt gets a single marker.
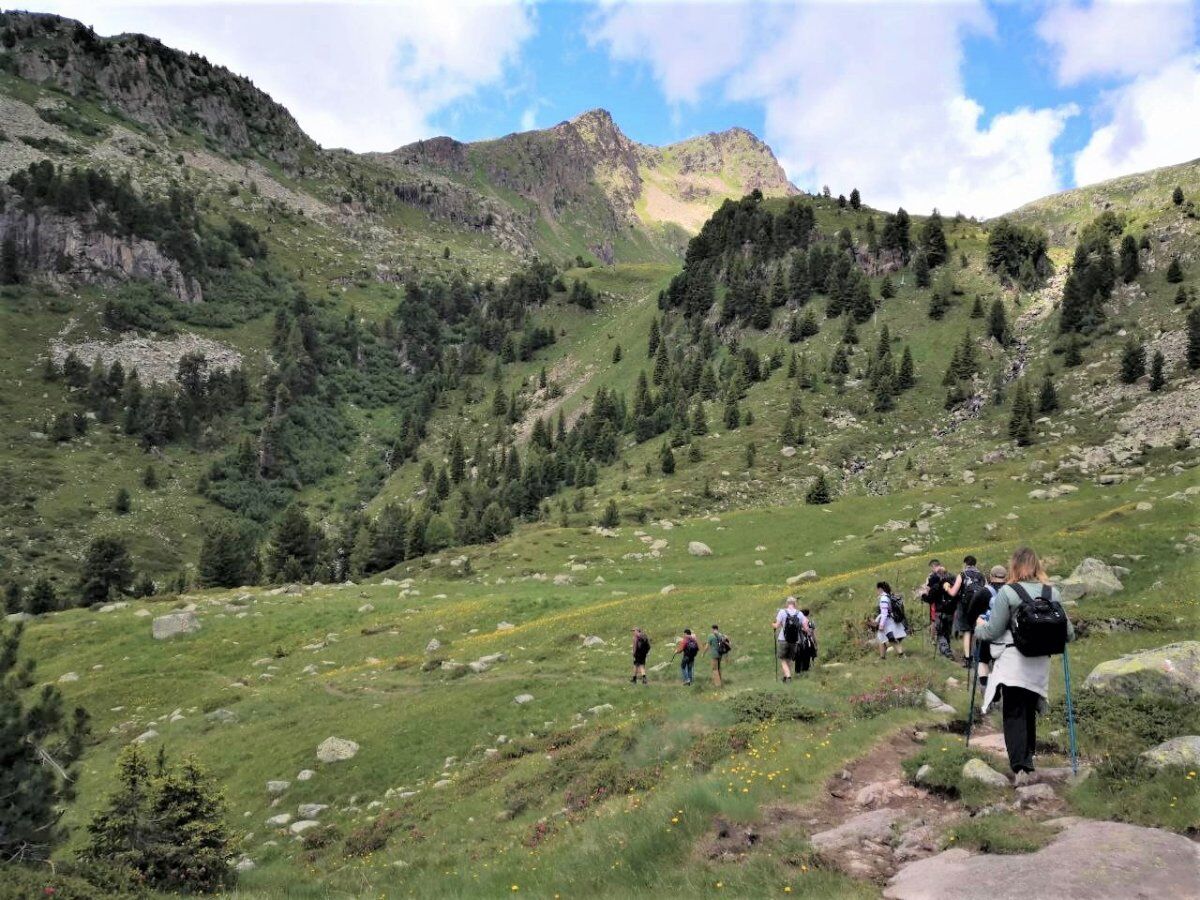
(718, 646)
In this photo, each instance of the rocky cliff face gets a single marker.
(152, 84)
(75, 251)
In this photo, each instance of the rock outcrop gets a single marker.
(1170, 672)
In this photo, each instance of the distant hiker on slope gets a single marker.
(970, 592)
(718, 646)
(788, 625)
(641, 649)
(1026, 625)
(807, 651)
(686, 650)
(890, 621)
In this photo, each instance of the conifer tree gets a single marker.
(150, 478)
(1158, 377)
(662, 363)
(667, 459)
(122, 502)
(1047, 396)
(887, 290)
(885, 390)
(1193, 338)
(294, 547)
(655, 338)
(616, 354)
(1129, 264)
(1020, 424)
(787, 436)
(760, 316)
(856, 199)
(907, 375)
(792, 365)
(998, 323)
(751, 455)
(809, 325)
(849, 332)
(42, 598)
(733, 415)
(1174, 271)
(39, 745)
(933, 241)
(839, 364)
(921, 271)
(818, 494)
(612, 515)
(458, 459)
(799, 279)
(977, 308)
(14, 598)
(228, 556)
(1133, 361)
(1177, 196)
(107, 571)
(1073, 356)
(699, 424)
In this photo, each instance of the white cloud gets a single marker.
(1116, 38)
(858, 95)
(1153, 123)
(364, 76)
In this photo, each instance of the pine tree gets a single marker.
(150, 478)
(751, 455)
(1074, 354)
(938, 304)
(107, 571)
(1158, 377)
(856, 199)
(849, 332)
(1129, 265)
(39, 744)
(733, 415)
(612, 515)
(933, 240)
(1177, 196)
(977, 308)
(655, 339)
(10, 263)
(228, 556)
(699, 423)
(998, 323)
(122, 502)
(787, 436)
(294, 548)
(14, 598)
(887, 290)
(458, 459)
(667, 460)
(662, 364)
(1133, 361)
(793, 365)
(921, 271)
(1174, 271)
(818, 494)
(616, 354)
(839, 363)
(760, 316)
(907, 375)
(42, 598)
(885, 391)
(1047, 396)
(809, 325)
(500, 402)
(1020, 424)
(1193, 338)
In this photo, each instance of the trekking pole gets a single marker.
(974, 683)
(1070, 714)
(774, 657)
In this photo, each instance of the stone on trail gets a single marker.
(505, 626)
(934, 703)
(1178, 751)
(1086, 861)
(875, 825)
(1092, 577)
(336, 749)
(1172, 671)
(978, 770)
(1035, 794)
(67, 677)
(367, 608)
(522, 699)
(699, 548)
(173, 624)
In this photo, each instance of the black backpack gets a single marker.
(643, 645)
(690, 648)
(899, 614)
(1039, 625)
(977, 599)
(723, 645)
(791, 628)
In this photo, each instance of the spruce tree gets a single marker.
(849, 332)
(885, 391)
(458, 458)
(1133, 361)
(42, 598)
(793, 365)
(733, 415)
(612, 515)
(107, 571)
(887, 290)
(809, 325)
(122, 502)
(1047, 396)
(1158, 377)
(294, 548)
(751, 455)
(699, 423)
(150, 478)
(667, 460)
(39, 745)
(1020, 424)
(1174, 271)
(818, 494)
(787, 436)
(228, 556)
(14, 598)
(998, 323)
(1129, 265)
(856, 199)
(933, 241)
(921, 271)
(655, 338)
(977, 308)
(760, 316)
(616, 354)
(1193, 338)
(1177, 196)
(907, 375)
(793, 331)
(839, 363)
(1073, 356)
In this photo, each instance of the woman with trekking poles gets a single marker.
(1025, 626)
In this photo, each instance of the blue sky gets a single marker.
(967, 105)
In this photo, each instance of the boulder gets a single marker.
(602, 708)
(934, 703)
(280, 820)
(336, 749)
(808, 575)
(788, 452)
(978, 770)
(311, 810)
(222, 716)
(1085, 861)
(19, 617)
(505, 626)
(278, 787)
(1179, 751)
(593, 640)
(1171, 672)
(667, 589)
(1092, 577)
(699, 548)
(305, 774)
(303, 825)
(245, 864)
(367, 608)
(433, 646)
(875, 825)
(1035, 795)
(147, 735)
(173, 624)
(522, 699)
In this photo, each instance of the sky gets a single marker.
(967, 106)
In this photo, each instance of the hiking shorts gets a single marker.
(787, 651)
(639, 659)
(888, 637)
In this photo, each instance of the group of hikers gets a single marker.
(1010, 623)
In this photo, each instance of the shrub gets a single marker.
(763, 706)
(1001, 833)
(905, 692)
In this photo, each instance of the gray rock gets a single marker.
(367, 608)
(303, 825)
(522, 699)
(245, 864)
(923, 773)
(222, 716)
(875, 825)
(1092, 577)
(1086, 861)
(699, 548)
(305, 775)
(68, 677)
(602, 708)
(278, 787)
(311, 810)
(19, 617)
(173, 624)
(280, 820)
(978, 770)
(335, 749)
(1178, 751)
(809, 575)
(667, 589)
(1171, 671)
(934, 703)
(1035, 794)
(593, 641)
(147, 735)
(433, 646)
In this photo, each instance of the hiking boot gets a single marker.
(644, 681)
(633, 680)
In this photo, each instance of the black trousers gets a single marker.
(1020, 726)
(943, 627)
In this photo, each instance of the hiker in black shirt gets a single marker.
(941, 605)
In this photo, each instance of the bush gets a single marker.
(905, 692)
(764, 706)
(713, 746)
(1001, 833)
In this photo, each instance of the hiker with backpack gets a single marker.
(891, 620)
(806, 650)
(641, 649)
(972, 599)
(686, 650)
(718, 646)
(941, 606)
(789, 624)
(1025, 626)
